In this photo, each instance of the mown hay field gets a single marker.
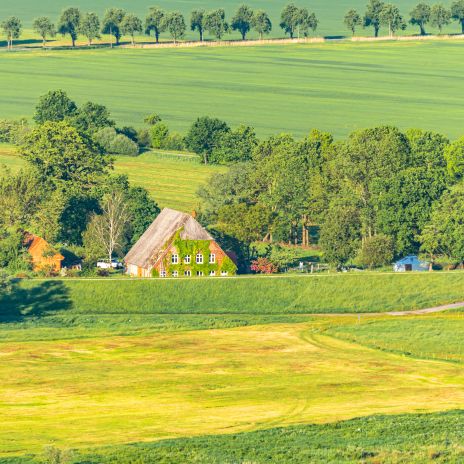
(292, 88)
(171, 179)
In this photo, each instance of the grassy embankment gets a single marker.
(171, 179)
(334, 87)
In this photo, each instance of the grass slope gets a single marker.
(329, 12)
(110, 390)
(334, 87)
(244, 295)
(407, 439)
(171, 179)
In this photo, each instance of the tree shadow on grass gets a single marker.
(21, 303)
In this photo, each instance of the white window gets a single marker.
(212, 258)
(200, 274)
(175, 259)
(187, 259)
(163, 274)
(212, 273)
(199, 258)
(224, 273)
(175, 274)
(187, 273)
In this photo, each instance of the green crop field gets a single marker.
(95, 364)
(171, 179)
(329, 12)
(334, 87)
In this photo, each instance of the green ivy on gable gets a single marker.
(192, 248)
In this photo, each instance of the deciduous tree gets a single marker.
(175, 23)
(54, 106)
(111, 23)
(89, 26)
(69, 23)
(372, 17)
(12, 29)
(420, 16)
(197, 22)
(154, 22)
(44, 27)
(289, 19)
(242, 20)
(352, 20)
(131, 25)
(440, 16)
(261, 23)
(457, 12)
(215, 23)
(390, 16)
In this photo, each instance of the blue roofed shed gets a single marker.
(411, 263)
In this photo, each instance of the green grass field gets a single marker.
(171, 179)
(334, 87)
(329, 12)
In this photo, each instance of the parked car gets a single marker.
(106, 264)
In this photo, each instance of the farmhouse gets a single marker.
(176, 245)
(42, 253)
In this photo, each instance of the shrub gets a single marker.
(376, 251)
(144, 138)
(174, 141)
(122, 145)
(13, 131)
(264, 266)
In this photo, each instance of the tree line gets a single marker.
(379, 13)
(117, 22)
(380, 193)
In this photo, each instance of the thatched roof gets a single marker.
(163, 228)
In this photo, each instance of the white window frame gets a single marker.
(199, 258)
(212, 258)
(187, 259)
(175, 273)
(200, 274)
(163, 274)
(174, 258)
(212, 273)
(224, 273)
(188, 273)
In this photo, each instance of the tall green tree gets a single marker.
(372, 17)
(307, 22)
(54, 106)
(91, 117)
(216, 24)
(89, 27)
(12, 29)
(68, 24)
(390, 16)
(235, 146)
(290, 19)
(175, 23)
(154, 22)
(45, 28)
(242, 20)
(131, 25)
(352, 20)
(261, 23)
(204, 136)
(454, 155)
(61, 155)
(420, 16)
(197, 22)
(457, 13)
(340, 236)
(440, 16)
(111, 23)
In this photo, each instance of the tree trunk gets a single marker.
(157, 36)
(44, 42)
(261, 35)
(73, 41)
(462, 25)
(422, 30)
(243, 35)
(133, 41)
(376, 31)
(201, 35)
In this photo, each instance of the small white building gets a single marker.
(411, 263)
